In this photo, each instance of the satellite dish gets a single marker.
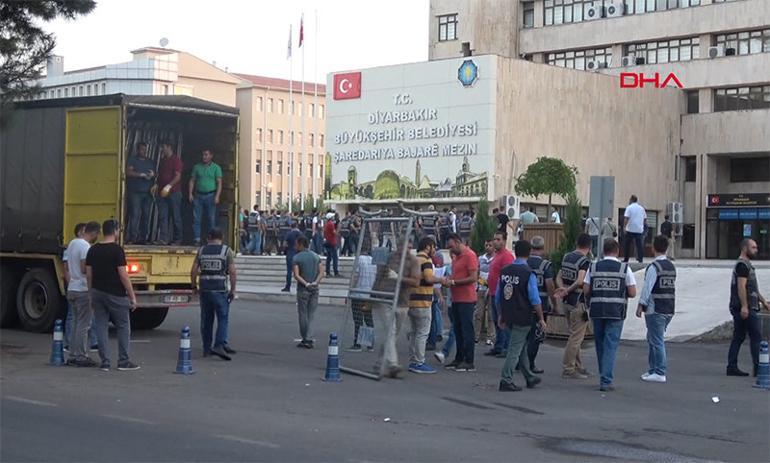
(163, 42)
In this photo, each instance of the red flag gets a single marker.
(302, 30)
(347, 86)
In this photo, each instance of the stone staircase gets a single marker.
(262, 278)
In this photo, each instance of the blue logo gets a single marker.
(468, 73)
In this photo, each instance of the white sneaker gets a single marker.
(439, 356)
(655, 378)
(645, 375)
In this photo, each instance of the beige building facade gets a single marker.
(718, 50)
(279, 133)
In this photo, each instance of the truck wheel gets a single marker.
(38, 301)
(9, 281)
(147, 319)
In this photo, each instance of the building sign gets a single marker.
(347, 86)
(739, 200)
(413, 132)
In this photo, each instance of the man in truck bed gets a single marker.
(205, 189)
(139, 173)
(170, 197)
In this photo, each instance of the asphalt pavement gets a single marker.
(269, 404)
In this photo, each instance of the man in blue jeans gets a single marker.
(169, 197)
(140, 173)
(215, 264)
(291, 249)
(204, 191)
(502, 258)
(465, 275)
(608, 283)
(657, 303)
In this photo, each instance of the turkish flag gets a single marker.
(347, 86)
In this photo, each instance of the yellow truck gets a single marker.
(63, 162)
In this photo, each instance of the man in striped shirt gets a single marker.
(420, 301)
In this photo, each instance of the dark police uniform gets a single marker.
(751, 325)
(214, 261)
(543, 270)
(429, 226)
(516, 312)
(466, 223)
(664, 290)
(577, 316)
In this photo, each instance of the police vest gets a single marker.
(465, 224)
(253, 222)
(429, 223)
(444, 221)
(309, 222)
(515, 306)
(752, 288)
(570, 267)
(284, 224)
(539, 266)
(345, 226)
(664, 291)
(212, 259)
(608, 289)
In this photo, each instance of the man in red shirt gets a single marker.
(465, 274)
(502, 258)
(170, 197)
(330, 244)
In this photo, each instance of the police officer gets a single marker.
(344, 228)
(271, 234)
(573, 269)
(308, 227)
(543, 270)
(518, 298)
(284, 225)
(744, 307)
(466, 224)
(657, 302)
(215, 264)
(254, 227)
(607, 285)
(445, 228)
(429, 223)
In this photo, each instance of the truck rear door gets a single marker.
(92, 165)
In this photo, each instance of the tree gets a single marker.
(483, 229)
(571, 229)
(547, 176)
(25, 47)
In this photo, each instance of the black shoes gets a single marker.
(219, 351)
(228, 349)
(536, 370)
(286, 290)
(734, 371)
(533, 382)
(305, 344)
(492, 353)
(606, 387)
(508, 387)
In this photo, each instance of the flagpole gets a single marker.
(302, 159)
(316, 140)
(290, 165)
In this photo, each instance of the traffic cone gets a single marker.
(333, 361)
(57, 348)
(763, 371)
(184, 364)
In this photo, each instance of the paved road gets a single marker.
(270, 405)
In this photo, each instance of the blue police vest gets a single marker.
(664, 291)
(570, 267)
(515, 306)
(608, 290)
(212, 260)
(539, 266)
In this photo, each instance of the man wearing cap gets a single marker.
(543, 270)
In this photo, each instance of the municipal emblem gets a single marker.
(468, 73)
(508, 291)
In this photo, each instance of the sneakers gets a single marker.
(105, 365)
(735, 371)
(219, 351)
(606, 388)
(394, 372)
(654, 378)
(451, 366)
(85, 363)
(583, 371)
(489, 342)
(440, 357)
(228, 349)
(573, 375)
(286, 290)
(533, 382)
(465, 366)
(95, 348)
(421, 368)
(508, 387)
(534, 369)
(355, 348)
(305, 344)
(492, 353)
(128, 366)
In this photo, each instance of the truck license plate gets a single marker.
(176, 299)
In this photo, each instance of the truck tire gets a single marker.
(147, 319)
(9, 281)
(38, 301)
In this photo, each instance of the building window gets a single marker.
(299, 109)
(259, 103)
(668, 51)
(269, 167)
(281, 106)
(320, 170)
(104, 89)
(293, 107)
(279, 166)
(693, 101)
(745, 43)
(321, 140)
(742, 98)
(280, 137)
(88, 90)
(690, 168)
(66, 92)
(310, 110)
(688, 236)
(312, 140)
(269, 135)
(259, 135)
(259, 166)
(529, 14)
(269, 105)
(310, 166)
(647, 6)
(447, 27)
(58, 93)
(750, 169)
(321, 111)
(291, 138)
(578, 59)
(269, 199)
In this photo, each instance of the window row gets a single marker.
(573, 11)
(580, 59)
(279, 164)
(734, 99)
(74, 91)
(667, 51)
(277, 105)
(745, 43)
(279, 139)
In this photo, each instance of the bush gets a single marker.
(571, 230)
(483, 229)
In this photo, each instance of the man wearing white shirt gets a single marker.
(635, 222)
(555, 217)
(78, 298)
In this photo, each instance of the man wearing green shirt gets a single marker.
(205, 189)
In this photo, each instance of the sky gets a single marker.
(251, 36)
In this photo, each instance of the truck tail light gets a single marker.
(132, 267)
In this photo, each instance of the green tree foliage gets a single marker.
(570, 231)
(25, 46)
(483, 228)
(547, 176)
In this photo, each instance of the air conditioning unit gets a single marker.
(594, 12)
(511, 205)
(614, 11)
(592, 66)
(675, 212)
(627, 61)
(715, 52)
(730, 51)
(640, 60)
